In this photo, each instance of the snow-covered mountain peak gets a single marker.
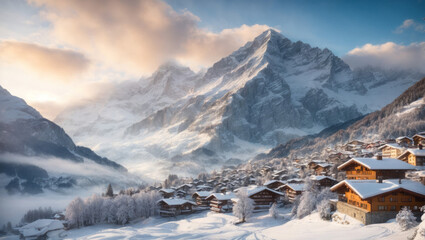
(13, 108)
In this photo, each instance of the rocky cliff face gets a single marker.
(267, 92)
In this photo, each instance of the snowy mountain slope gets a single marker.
(269, 91)
(405, 116)
(27, 141)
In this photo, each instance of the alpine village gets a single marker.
(371, 182)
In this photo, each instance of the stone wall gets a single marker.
(352, 211)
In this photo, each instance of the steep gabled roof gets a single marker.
(272, 181)
(374, 164)
(167, 190)
(298, 187)
(175, 201)
(221, 196)
(392, 145)
(260, 189)
(321, 177)
(370, 188)
(202, 193)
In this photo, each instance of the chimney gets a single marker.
(378, 156)
(420, 146)
(399, 181)
(379, 180)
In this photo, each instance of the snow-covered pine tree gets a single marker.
(109, 191)
(244, 206)
(405, 219)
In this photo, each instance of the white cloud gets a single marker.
(62, 64)
(388, 55)
(137, 36)
(410, 23)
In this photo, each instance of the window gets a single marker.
(382, 208)
(381, 199)
(415, 208)
(393, 208)
(393, 199)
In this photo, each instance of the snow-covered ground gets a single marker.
(209, 225)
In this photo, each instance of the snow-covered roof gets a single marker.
(221, 196)
(260, 189)
(417, 152)
(403, 137)
(421, 134)
(324, 165)
(167, 190)
(384, 164)
(369, 188)
(40, 227)
(271, 181)
(392, 145)
(175, 201)
(202, 193)
(295, 180)
(294, 186)
(317, 161)
(321, 177)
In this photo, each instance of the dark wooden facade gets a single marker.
(174, 209)
(265, 198)
(220, 204)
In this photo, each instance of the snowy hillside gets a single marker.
(405, 116)
(261, 226)
(269, 91)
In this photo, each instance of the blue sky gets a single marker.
(338, 25)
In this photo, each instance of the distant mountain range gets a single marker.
(25, 134)
(268, 92)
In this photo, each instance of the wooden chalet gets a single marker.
(404, 141)
(221, 202)
(391, 150)
(201, 198)
(313, 163)
(292, 190)
(353, 146)
(322, 168)
(324, 181)
(167, 192)
(419, 139)
(374, 168)
(377, 201)
(414, 157)
(273, 184)
(263, 197)
(170, 207)
(185, 187)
